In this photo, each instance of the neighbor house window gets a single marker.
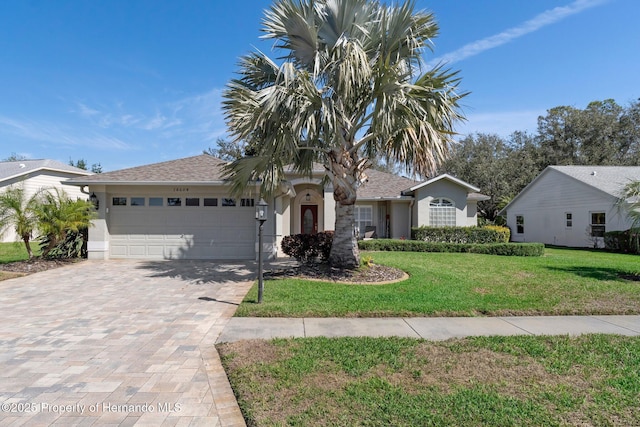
(569, 219)
(174, 201)
(137, 201)
(210, 201)
(228, 202)
(442, 213)
(119, 201)
(598, 221)
(155, 201)
(192, 201)
(520, 224)
(247, 202)
(364, 217)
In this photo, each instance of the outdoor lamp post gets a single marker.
(261, 217)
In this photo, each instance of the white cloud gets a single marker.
(60, 135)
(547, 17)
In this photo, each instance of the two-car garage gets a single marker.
(170, 229)
(179, 209)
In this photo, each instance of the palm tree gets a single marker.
(346, 89)
(59, 215)
(19, 212)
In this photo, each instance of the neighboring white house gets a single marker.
(182, 209)
(34, 175)
(570, 205)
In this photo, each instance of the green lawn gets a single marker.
(501, 381)
(563, 281)
(13, 251)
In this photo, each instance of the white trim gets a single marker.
(448, 177)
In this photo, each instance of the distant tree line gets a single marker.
(604, 133)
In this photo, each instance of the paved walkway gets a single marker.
(119, 343)
(432, 328)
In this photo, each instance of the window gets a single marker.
(442, 213)
(598, 221)
(174, 201)
(364, 217)
(155, 201)
(247, 202)
(519, 224)
(192, 201)
(119, 201)
(569, 219)
(228, 202)
(137, 201)
(209, 201)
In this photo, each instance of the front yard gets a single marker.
(521, 380)
(494, 381)
(562, 282)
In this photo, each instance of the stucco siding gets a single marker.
(400, 227)
(544, 207)
(442, 188)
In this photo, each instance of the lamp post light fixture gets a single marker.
(94, 200)
(261, 217)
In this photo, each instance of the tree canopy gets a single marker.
(603, 133)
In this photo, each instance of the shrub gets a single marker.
(307, 247)
(507, 249)
(73, 246)
(627, 241)
(488, 234)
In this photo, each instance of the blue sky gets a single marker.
(130, 82)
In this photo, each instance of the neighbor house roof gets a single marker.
(608, 179)
(16, 169)
(202, 169)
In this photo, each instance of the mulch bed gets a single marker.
(373, 273)
(36, 265)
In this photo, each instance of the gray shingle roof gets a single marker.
(196, 169)
(384, 185)
(9, 170)
(610, 179)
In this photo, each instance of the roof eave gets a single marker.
(151, 183)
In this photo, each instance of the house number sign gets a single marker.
(180, 189)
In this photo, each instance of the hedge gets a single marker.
(627, 241)
(487, 234)
(507, 249)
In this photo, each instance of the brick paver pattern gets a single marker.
(119, 343)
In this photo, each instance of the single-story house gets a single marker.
(182, 209)
(34, 175)
(570, 205)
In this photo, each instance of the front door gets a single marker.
(309, 219)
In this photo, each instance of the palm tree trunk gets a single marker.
(344, 172)
(344, 249)
(28, 246)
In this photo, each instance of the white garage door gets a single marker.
(138, 229)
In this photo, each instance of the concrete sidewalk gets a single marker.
(431, 328)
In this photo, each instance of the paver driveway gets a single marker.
(119, 343)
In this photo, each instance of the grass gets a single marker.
(562, 282)
(11, 252)
(524, 381)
